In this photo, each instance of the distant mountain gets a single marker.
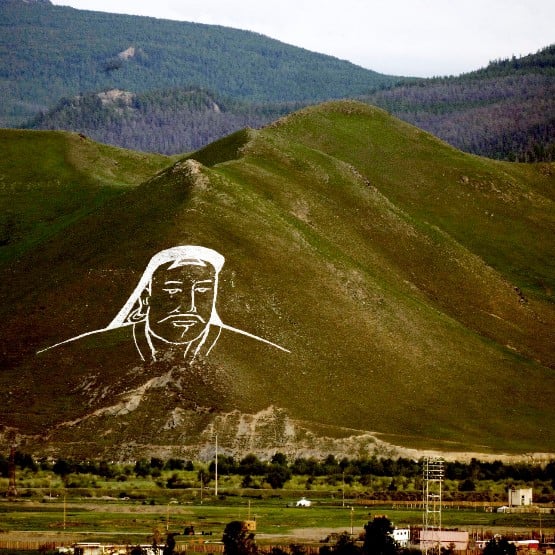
(504, 111)
(51, 52)
(169, 121)
(410, 284)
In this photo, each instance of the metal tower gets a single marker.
(431, 500)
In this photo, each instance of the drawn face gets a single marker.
(181, 301)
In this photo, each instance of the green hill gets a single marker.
(52, 179)
(411, 283)
(49, 52)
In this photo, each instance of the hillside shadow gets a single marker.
(223, 150)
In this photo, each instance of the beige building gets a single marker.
(520, 497)
(430, 539)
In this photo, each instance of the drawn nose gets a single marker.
(188, 301)
(185, 303)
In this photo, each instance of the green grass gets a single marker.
(96, 520)
(51, 180)
(440, 184)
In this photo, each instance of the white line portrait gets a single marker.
(173, 307)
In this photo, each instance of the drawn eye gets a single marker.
(172, 291)
(203, 289)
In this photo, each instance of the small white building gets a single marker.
(401, 536)
(519, 497)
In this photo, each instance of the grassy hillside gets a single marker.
(49, 52)
(412, 284)
(49, 180)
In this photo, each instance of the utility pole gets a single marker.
(170, 502)
(216, 470)
(12, 489)
(343, 489)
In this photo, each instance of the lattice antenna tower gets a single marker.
(431, 497)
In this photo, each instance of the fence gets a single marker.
(33, 545)
(181, 547)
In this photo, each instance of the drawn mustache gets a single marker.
(183, 316)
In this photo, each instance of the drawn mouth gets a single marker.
(184, 323)
(183, 320)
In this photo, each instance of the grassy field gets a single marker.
(130, 521)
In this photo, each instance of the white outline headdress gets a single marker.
(188, 253)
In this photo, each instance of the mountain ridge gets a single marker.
(83, 48)
(58, 61)
(500, 112)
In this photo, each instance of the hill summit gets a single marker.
(344, 281)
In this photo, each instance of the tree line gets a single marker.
(506, 117)
(251, 465)
(505, 111)
(169, 122)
